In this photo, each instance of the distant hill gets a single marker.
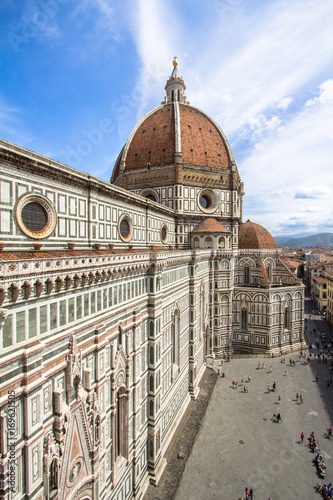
(315, 240)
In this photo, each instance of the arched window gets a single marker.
(287, 318)
(175, 337)
(222, 243)
(202, 309)
(269, 272)
(246, 275)
(244, 319)
(121, 425)
(209, 242)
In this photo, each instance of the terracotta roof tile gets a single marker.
(210, 225)
(6, 255)
(255, 237)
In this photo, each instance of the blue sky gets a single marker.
(77, 75)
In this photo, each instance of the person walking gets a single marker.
(251, 494)
(297, 396)
(279, 398)
(301, 398)
(302, 437)
(247, 491)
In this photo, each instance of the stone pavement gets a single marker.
(238, 444)
(182, 442)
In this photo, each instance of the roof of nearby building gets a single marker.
(319, 279)
(253, 236)
(210, 225)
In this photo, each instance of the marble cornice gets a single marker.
(32, 278)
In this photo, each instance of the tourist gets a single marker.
(302, 437)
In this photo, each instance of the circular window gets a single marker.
(208, 200)
(204, 201)
(164, 233)
(125, 228)
(35, 216)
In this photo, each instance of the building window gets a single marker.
(35, 216)
(164, 233)
(287, 318)
(208, 200)
(244, 319)
(246, 275)
(125, 228)
(209, 242)
(121, 425)
(269, 272)
(175, 337)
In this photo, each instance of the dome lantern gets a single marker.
(175, 86)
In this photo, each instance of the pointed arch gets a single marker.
(121, 424)
(175, 335)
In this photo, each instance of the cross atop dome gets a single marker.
(175, 86)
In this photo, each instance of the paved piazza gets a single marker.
(240, 446)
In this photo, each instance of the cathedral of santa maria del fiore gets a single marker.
(113, 295)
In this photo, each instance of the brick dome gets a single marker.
(255, 237)
(174, 133)
(171, 141)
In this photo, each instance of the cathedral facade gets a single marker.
(112, 295)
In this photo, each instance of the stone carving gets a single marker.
(51, 465)
(3, 316)
(94, 418)
(74, 368)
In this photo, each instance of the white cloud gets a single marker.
(325, 94)
(311, 191)
(311, 209)
(291, 166)
(284, 103)
(249, 87)
(155, 31)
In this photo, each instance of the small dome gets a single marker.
(210, 225)
(255, 237)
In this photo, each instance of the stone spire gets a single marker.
(175, 87)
